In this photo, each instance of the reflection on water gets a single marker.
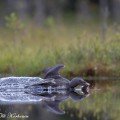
(51, 98)
(103, 103)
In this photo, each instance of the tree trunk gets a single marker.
(116, 10)
(21, 6)
(84, 9)
(104, 13)
(39, 12)
(55, 9)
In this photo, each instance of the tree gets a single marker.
(104, 13)
(40, 12)
(55, 9)
(83, 8)
(21, 7)
(116, 10)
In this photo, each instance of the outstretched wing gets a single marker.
(53, 71)
(53, 106)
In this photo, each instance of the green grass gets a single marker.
(27, 51)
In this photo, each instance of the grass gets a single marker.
(29, 50)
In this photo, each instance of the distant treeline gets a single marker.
(40, 10)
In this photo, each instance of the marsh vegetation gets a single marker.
(28, 50)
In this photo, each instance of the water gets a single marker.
(102, 103)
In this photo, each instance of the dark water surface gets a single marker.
(102, 103)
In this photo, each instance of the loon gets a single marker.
(52, 89)
(52, 81)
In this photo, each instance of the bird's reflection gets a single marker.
(50, 100)
(54, 99)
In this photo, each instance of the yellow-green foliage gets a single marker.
(29, 49)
